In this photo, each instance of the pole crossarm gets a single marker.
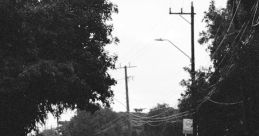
(127, 97)
(180, 13)
(192, 58)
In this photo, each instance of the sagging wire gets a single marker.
(224, 37)
(146, 117)
(149, 122)
(230, 66)
(224, 103)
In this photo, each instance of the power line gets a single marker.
(255, 14)
(185, 19)
(148, 122)
(224, 103)
(220, 44)
(160, 118)
(127, 96)
(141, 120)
(120, 102)
(232, 44)
(153, 116)
(110, 125)
(136, 53)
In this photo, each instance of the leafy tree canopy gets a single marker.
(227, 93)
(52, 58)
(49, 132)
(103, 122)
(158, 122)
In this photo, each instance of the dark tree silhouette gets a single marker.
(231, 36)
(52, 57)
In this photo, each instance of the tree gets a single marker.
(165, 127)
(200, 85)
(104, 122)
(52, 58)
(49, 132)
(232, 40)
(234, 51)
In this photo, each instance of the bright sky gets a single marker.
(159, 65)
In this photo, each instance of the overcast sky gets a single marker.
(159, 65)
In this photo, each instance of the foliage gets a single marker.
(228, 104)
(103, 122)
(49, 132)
(165, 128)
(200, 85)
(52, 58)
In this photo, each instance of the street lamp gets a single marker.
(160, 39)
(193, 93)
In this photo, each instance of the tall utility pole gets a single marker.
(193, 92)
(127, 98)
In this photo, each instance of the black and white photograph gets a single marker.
(129, 67)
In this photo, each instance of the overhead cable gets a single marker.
(220, 44)
(225, 104)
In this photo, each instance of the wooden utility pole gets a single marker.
(127, 97)
(127, 101)
(193, 92)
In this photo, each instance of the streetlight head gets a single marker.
(160, 39)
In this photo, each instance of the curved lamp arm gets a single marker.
(160, 39)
